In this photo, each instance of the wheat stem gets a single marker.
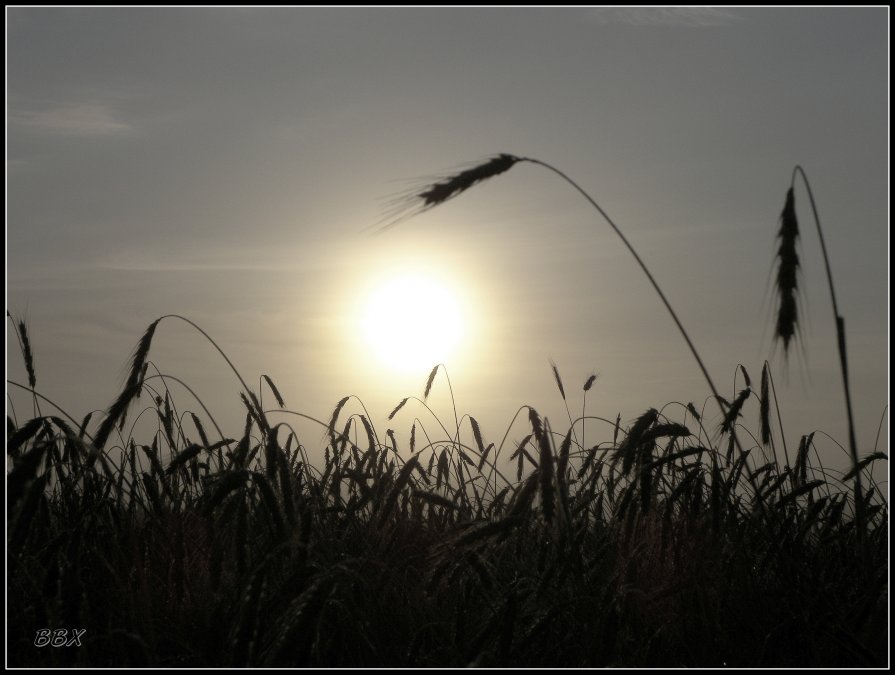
(840, 340)
(646, 271)
(455, 185)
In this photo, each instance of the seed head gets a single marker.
(787, 274)
(432, 194)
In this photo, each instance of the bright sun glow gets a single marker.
(412, 322)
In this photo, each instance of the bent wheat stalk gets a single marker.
(117, 411)
(787, 315)
(452, 186)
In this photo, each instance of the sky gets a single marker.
(231, 165)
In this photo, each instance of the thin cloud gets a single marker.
(76, 120)
(698, 17)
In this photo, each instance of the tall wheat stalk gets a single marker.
(787, 314)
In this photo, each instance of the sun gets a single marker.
(412, 321)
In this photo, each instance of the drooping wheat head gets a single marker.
(420, 200)
(787, 274)
(590, 382)
(562, 390)
(27, 353)
(733, 412)
(429, 382)
(765, 408)
(117, 411)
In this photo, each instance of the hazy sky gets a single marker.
(222, 164)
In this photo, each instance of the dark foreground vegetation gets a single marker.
(655, 547)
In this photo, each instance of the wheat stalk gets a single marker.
(454, 185)
(787, 316)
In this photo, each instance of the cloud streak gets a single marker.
(697, 17)
(89, 119)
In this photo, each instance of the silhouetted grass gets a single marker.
(647, 550)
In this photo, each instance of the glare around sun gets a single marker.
(411, 322)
